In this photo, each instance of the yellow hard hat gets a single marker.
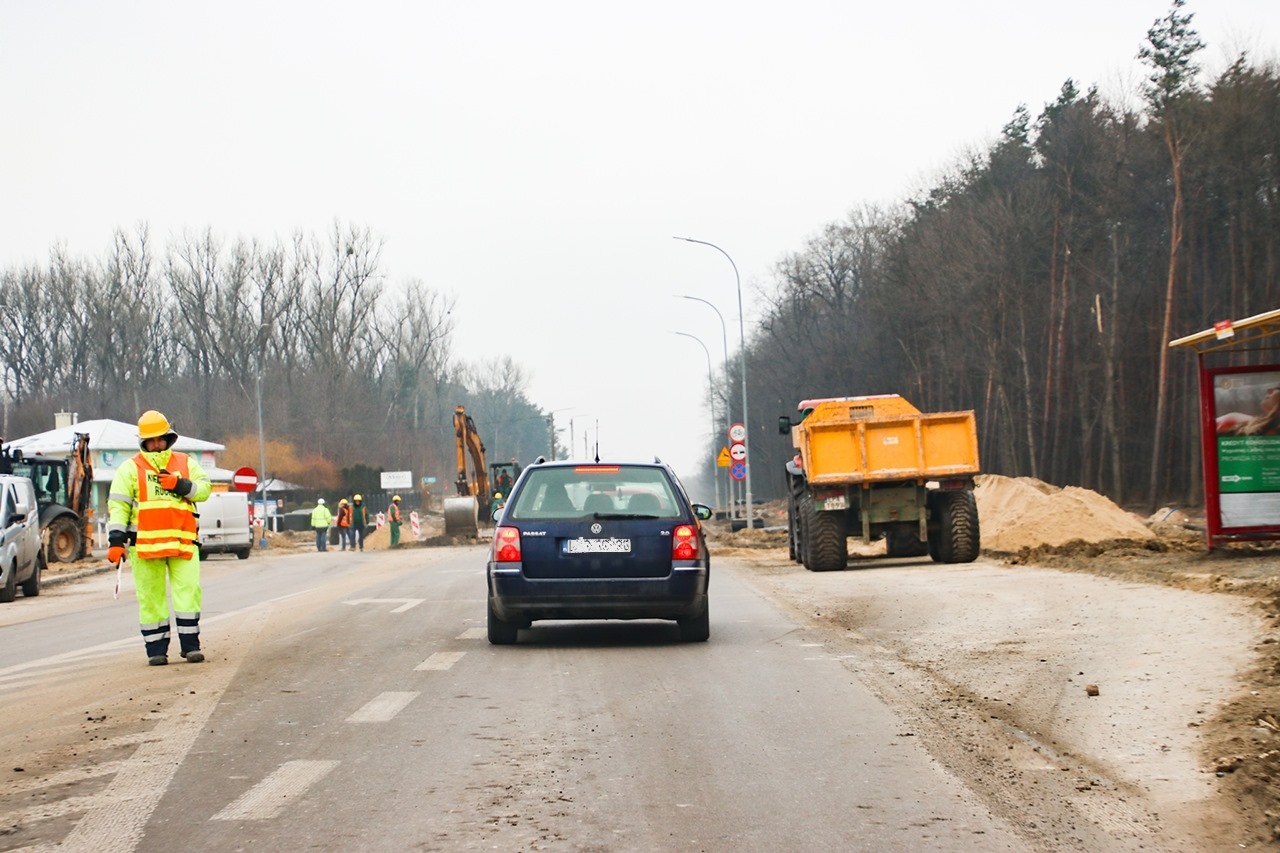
(152, 424)
(497, 494)
(396, 498)
(342, 502)
(359, 497)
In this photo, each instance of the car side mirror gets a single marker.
(702, 512)
(784, 425)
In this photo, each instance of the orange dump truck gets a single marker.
(875, 467)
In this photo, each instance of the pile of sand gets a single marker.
(1023, 512)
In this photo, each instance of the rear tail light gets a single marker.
(506, 545)
(684, 542)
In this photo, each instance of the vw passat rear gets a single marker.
(598, 541)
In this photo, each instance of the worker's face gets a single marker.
(154, 445)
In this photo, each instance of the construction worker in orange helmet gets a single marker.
(152, 522)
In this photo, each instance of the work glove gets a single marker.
(173, 483)
(116, 552)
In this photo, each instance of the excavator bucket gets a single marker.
(461, 516)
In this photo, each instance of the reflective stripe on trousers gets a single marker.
(182, 576)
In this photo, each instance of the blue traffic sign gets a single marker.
(738, 470)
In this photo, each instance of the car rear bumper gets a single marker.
(681, 594)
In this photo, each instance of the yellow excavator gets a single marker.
(463, 514)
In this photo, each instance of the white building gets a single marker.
(111, 444)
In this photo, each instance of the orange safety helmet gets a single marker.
(152, 424)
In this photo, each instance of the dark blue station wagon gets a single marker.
(589, 540)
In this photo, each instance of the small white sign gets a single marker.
(397, 479)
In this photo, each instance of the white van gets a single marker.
(21, 549)
(224, 525)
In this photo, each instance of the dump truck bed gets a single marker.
(884, 439)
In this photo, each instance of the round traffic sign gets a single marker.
(738, 470)
(738, 452)
(737, 433)
(244, 479)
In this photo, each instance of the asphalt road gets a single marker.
(353, 702)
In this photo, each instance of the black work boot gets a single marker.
(194, 656)
(158, 660)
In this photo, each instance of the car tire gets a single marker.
(31, 588)
(696, 629)
(9, 591)
(243, 554)
(501, 632)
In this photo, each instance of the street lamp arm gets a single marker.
(742, 332)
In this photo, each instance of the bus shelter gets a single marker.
(1239, 428)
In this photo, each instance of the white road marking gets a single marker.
(439, 661)
(383, 708)
(405, 603)
(270, 796)
(473, 634)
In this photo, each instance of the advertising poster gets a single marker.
(1247, 432)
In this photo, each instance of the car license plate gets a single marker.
(597, 546)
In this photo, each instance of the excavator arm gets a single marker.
(469, 443)
(462, 514)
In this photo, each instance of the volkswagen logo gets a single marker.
(595, 528)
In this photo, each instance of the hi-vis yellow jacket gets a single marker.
(164, 522)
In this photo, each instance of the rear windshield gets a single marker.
(590, 490)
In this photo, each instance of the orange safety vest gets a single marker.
(393, 513)
(167, 525)
(344, 516)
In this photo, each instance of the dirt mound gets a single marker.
(1023, 512)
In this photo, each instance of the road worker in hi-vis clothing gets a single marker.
(152, 504)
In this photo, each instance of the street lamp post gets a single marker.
(724, 340)
(742, 332)
(262, 446)
(711, 391)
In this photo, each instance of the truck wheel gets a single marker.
(898, 543)
(957, 539)
(66, 540)
(243, 553)
(792, 551)
(825, 540)
(31, 588)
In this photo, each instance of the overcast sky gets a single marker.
(535, 159)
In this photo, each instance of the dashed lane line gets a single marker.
(270, 796)
(439, 661)
(384, 707)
